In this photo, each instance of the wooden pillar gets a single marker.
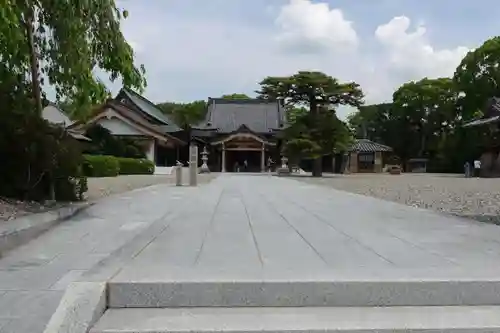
(378, 162)
(263, 158)
(223, 158)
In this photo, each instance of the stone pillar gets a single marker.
(151, 151)
(223, 158)
(353, 162)
(263, 159)
(193, 165)
(333, 164)
(378, 162)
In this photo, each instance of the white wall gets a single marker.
(118, 127)
(55, 116)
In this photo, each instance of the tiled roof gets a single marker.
(260, 116)
(364, 145)
(152, 110)
(491, 114)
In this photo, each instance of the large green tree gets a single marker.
(477, 78)
(185, 115)
(71, 40)
(318, 132)
(427, 111)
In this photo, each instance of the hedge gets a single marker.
(101, 166)
(135, 166)
(110, 166)
(38, 160)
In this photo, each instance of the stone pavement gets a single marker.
(262, 225)
(242, 227)
(34, 276)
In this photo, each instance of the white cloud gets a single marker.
(412, 53)
(190, 54)
(308, 27)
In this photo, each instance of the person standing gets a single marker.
(477, 168)
(467, 169)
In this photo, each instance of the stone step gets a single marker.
(296, 293)
(461, 319)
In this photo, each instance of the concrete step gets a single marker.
(331, 293)
(461, 319)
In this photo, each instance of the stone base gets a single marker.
(204, 169)
(283, 171)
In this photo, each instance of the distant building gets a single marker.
(367, 156)
(53, 114)
(234, 131)
(490, 157)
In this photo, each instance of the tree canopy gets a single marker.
(311, 98)
(72, 42)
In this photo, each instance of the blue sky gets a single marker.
(193, 49)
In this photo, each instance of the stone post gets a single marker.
(378, 162)
(178, 174)
(353, 162)
(223, 158)
(193, 165)
(263, 159)
(333, 164)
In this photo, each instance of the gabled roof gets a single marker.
(260, 116)
(491, 114)
(245, 131)
(151, 110)
(367, 146)
(132, 117)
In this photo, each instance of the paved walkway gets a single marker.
(33, 277)
(269, 227)
(240, 225)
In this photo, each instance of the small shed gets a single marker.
(417, 165)
(367, 156)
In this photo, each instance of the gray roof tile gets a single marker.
(260, 116)
(152, 110)
(365, 145)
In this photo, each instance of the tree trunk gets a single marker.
(317, 170)
(317, 162)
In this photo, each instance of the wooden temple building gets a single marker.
(490, 142)
(234, 132)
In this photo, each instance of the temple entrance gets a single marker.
(243, 146)
(235, 161)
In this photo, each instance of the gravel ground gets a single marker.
(98, 188)
(475, 198)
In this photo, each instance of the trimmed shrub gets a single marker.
(101, 166)
(38, 157)
(135, 166)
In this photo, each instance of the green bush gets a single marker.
(135, 166)
(38, 159)
(101, 166)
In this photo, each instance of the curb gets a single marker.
(80, 308)
(19, 231)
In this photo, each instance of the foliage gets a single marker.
(477, 77)
(104, 143)
(135, 166)
(34, 155)
(185, 114)
(101, 166)
(311, 98)
(71, 40)
(424, 120)
(235, 96)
